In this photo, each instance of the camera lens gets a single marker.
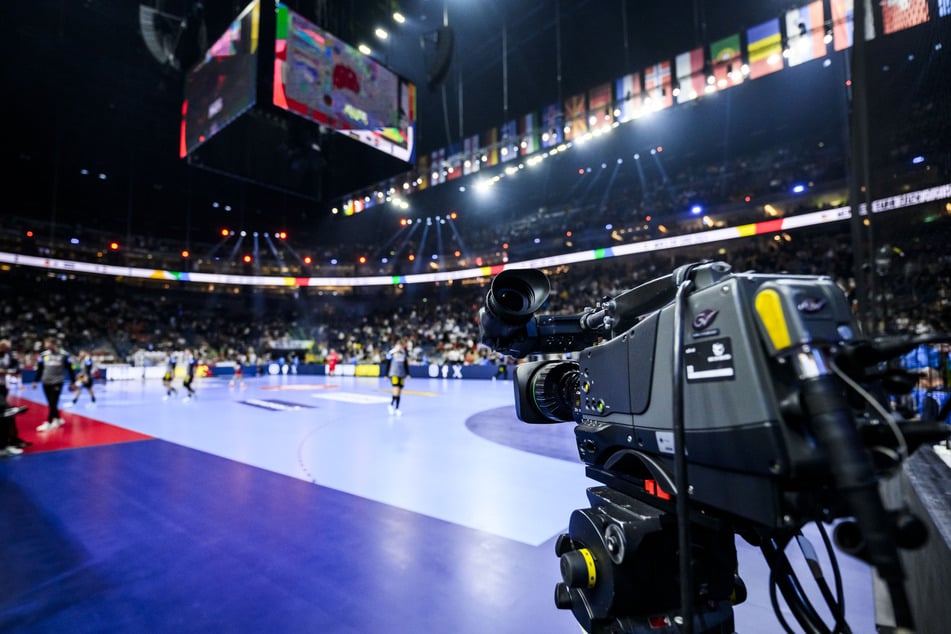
(554, 387)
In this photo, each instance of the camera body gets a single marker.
(737, 388)
(749, 451)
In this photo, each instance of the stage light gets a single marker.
(366, 50)
(381, 33)
(917, 160)
(247, 259)
(185, 253)
(362, 259)
(399, 18)
(114, 246)
(29, 234)
(696, 210)
(798, 189)
(411, 257)
(307, 259)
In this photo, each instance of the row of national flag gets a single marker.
(799, 36)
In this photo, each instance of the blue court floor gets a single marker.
(300, 504)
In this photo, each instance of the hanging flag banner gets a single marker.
(438, 167)
(627, 96)
(528, 134)
(508, 148)
(727, 61)
(599, 106)
(898, 15)
(843, 23)
(454, 162)
(491, 147)
(423, 170)
(944, 7)
(576, 122)
(553, 124)
(765, 48)
(691, 80)
(805, 33)
(472, 155)
(658, 86)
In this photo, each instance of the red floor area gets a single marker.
(78, 431)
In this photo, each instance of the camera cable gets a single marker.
(784, 578)
(886, 416)
(837, 605)
(680, 456)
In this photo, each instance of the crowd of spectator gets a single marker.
(127, 321)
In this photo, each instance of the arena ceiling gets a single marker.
(87, 96)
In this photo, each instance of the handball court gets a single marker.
(299, 504)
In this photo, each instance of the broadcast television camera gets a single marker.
(745, 391)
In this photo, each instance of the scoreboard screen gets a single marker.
(325, 80)
(223, 85)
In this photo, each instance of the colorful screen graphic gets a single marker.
(223, 85)
(328, 81)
